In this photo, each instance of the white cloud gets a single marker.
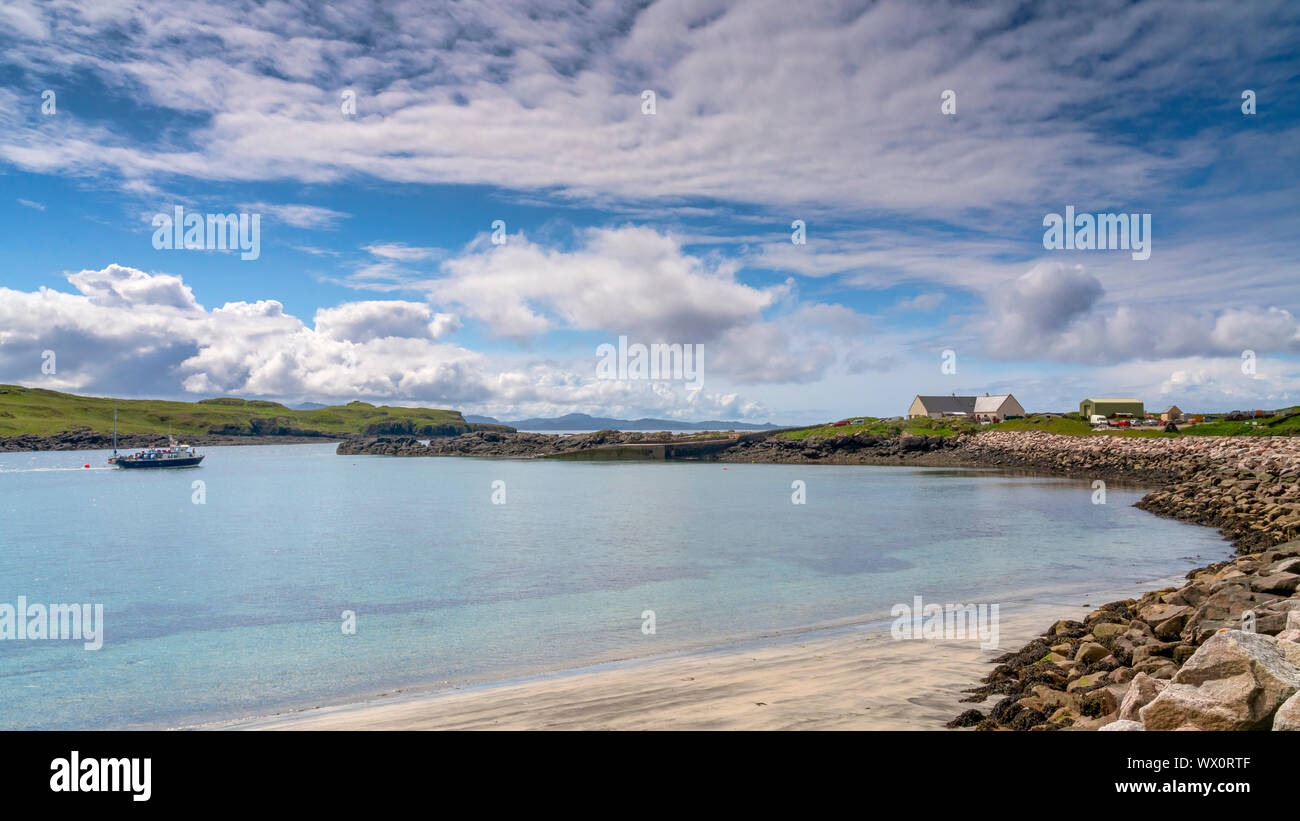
(628, 281)
(119, 286)
(538, 98)
(365, 321)
(402, 252)
(921, 302)
(24, 18)
(299, 216)
(130, 333)
(1059, 312)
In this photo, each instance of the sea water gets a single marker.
(231, 597)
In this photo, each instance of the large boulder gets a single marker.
(1090, 651)
(1107, 630)
(1142, 690)
(1154, 614)
(1288, 715)
(1283, 584)
(1234, 681)
(1122, 726)
(1223, 609)
(1292, 630)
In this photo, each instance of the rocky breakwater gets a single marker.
(1131, 459)
(491, 443)
(854, 449)
(1251, 492)
(1219, 652)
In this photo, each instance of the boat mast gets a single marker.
(114, 429)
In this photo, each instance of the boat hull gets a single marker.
(155, 464)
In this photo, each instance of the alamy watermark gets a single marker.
(77, 774)
(1098, 232)
(946, 621)
(657, 361)
(40, 622)
(209, 232)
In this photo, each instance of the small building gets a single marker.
(984, 408)
(1171, 414)
(1089, 408)
(993, 409)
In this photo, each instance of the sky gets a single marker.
(459, 203)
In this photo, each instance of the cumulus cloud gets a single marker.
(1043, 301)
(633, 281)
(800, 347)
(379, 319)
(1058, 312)
(127, 332)
(120, 286)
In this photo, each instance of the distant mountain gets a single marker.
(582, 421)
(309, 406)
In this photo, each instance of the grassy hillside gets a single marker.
(881, 427)
(45, 413)
(1286, 422)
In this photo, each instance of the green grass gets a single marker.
(1279, 425)
(46, 413)
(1069, 424)
(1050, 424)
(880, 427)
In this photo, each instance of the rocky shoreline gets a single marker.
(91, 440)
(1217, 653)
(518, 445)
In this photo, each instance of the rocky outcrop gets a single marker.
(86, 439)
(1216, 653)
(748, 447)
(1248, 488)
(493, 443)
(1234, 681)
(852, 449)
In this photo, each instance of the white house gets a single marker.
(997, 408)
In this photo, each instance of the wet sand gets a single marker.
(848, 679)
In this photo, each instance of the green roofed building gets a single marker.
(1110, 407)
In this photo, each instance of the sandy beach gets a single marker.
(849, 679)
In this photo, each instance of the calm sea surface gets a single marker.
(234, 607)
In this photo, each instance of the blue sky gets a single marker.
(377, 277)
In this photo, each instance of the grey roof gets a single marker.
(948, 404)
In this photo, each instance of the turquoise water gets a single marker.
(233, 607)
